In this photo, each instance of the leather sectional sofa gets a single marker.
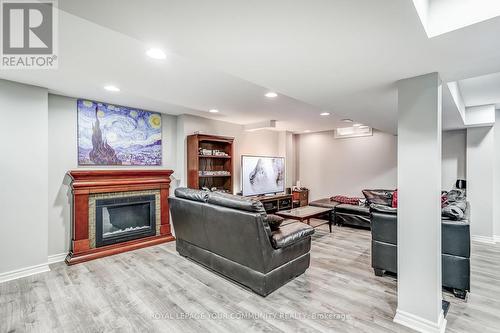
(230, 235)
(345, 214)
(455, 246)
(382, 220)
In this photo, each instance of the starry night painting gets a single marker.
(117, 135)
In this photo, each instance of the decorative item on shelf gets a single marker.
(461, 184)
(215, 189)
(214, 173)
(217, 152)
(211, 152)
(207, 152)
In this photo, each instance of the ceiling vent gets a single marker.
(353, 132)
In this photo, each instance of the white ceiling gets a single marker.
(442, 16)
(481, 90)
(341, 56)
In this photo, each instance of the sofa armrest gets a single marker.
(374, 208)
(290, 233)
(455, 238)
(384, 227)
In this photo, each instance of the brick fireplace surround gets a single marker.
(88, 184)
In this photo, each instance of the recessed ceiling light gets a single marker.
(347, 120)
(324, 114)
(112, 88)
(213, 110)
(307, 131)
(156, 54)
(271, 94)
(356, 125)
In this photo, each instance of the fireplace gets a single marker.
(123, 219)
(118, 210)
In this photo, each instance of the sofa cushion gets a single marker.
(325, 203)
(352, 209)
(395, 199)
(380, 197)
(236, 202)
(346, 200)
(290, 234)
(455, 210)
(191, 194)
(274, 221)
(455, 196)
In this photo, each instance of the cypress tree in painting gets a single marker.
(101, 152)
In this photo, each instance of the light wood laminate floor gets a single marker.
(154, 290)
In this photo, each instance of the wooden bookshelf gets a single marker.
(200, 162)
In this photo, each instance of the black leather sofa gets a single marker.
(230, 235)
(455, 246)
(345, 214)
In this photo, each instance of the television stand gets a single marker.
(275, 202)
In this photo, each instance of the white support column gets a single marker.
(496, 208)
(419, 205)
(480, 182)
(287, 149)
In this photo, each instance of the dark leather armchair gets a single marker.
(230, 235)
(455, 246)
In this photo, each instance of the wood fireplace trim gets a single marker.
(87, 182)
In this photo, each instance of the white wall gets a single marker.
(264, 142)
(23, 176)
(329, 166)
(496, 203)
(454, 158)
(480, 184)
(62, 152)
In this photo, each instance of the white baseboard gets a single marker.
(55, 258)
(23, 272)
(27, 271)
(483, 239)
(420, 324)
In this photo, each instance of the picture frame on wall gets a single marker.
(117, 135)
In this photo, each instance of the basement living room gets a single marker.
(229, 166)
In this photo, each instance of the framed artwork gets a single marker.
(117, 135)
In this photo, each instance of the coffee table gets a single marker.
(304, 214)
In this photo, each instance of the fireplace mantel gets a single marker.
(88, 182)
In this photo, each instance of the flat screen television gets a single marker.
(262, 175)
